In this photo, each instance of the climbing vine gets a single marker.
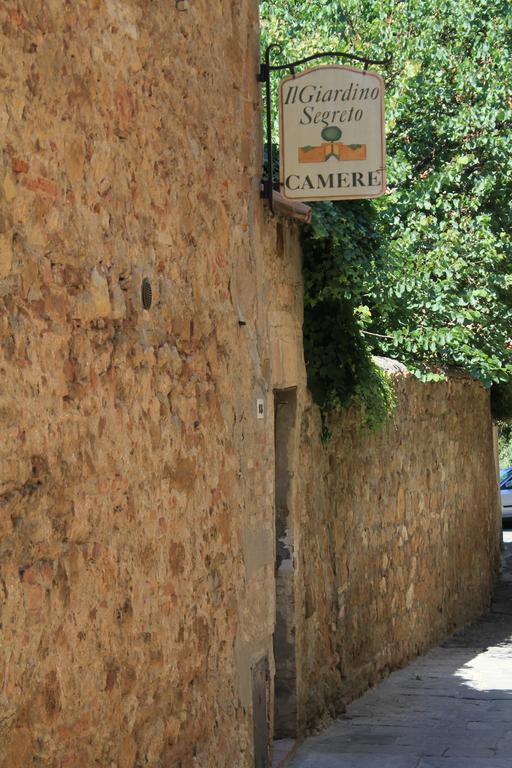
(341, 258)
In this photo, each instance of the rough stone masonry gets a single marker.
(400, 537)
(132, 472)
(137, 469)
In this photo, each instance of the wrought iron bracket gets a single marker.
(263, 77)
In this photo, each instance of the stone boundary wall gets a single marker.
(399, 541)
(136, 481)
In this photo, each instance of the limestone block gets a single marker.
(9, 188)
(14, 473)
(5, 255)
(169, 357)
(118, 303)
(94, 302)
(18, 748)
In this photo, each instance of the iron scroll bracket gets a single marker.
(263, 77)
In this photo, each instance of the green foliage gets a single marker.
(423, 274)
(501, 402)
(448, 278)
(332, 133)
(505, 444)
(339, 248)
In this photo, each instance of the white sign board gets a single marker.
(333, 143)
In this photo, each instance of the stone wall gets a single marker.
(399, 537)
(136, 482)
(137, 473)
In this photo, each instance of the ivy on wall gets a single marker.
(341, 248)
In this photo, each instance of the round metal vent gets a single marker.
(146, 293)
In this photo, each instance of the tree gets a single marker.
(423, 274)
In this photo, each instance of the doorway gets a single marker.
(285, 682)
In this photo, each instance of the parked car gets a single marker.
(506, 493)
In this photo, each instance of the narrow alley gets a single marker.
(451, 708)
(255, 383)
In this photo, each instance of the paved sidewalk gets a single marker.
(449, 709)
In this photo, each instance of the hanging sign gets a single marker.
(332, 134)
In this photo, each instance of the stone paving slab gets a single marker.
(319, 760)
(451, 708)
(316, 760)
(462, 762)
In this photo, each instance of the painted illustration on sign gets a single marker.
(332, 134)
(332, 147)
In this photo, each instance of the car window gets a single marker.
(506, 478)
(505, 472)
